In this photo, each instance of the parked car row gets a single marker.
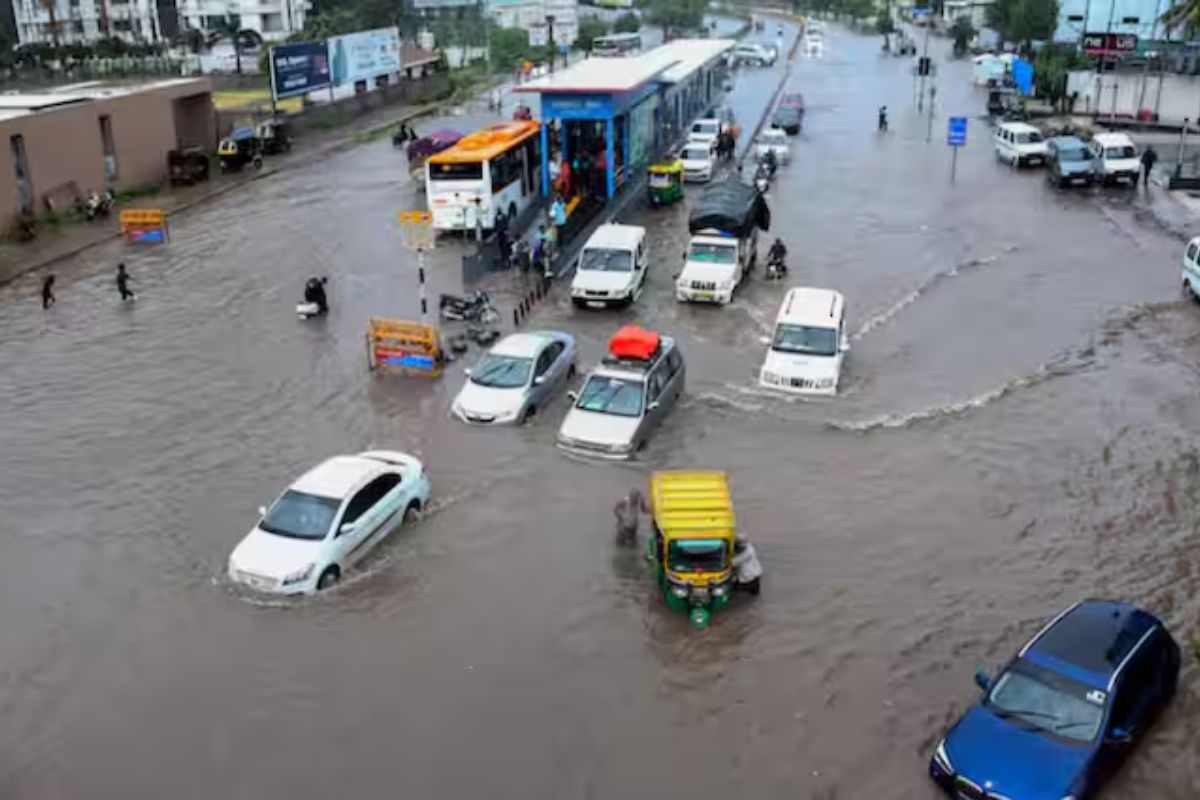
(1107, 158)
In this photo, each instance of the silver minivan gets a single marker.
(621, 403)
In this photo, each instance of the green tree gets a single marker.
(509, 46)
(962, 32)
(1050, 75)
(675, 14)
(589, 29)
(628, 23)
(1023, 21)
(884, 24)
(858, 10)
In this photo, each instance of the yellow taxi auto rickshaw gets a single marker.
(664, 184)
(238, 149)
(691, 542)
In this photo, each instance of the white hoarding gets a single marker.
(365, 55)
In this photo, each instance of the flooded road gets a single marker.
(1016, 433)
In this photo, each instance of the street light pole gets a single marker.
(550, 40)
(924, 60)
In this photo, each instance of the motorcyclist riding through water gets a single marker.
(314, 292)
(776, 259)
(771, 162)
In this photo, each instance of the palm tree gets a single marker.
(1183, 16)
(230, 27)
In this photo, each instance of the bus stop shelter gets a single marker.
(601, 111)
(606, 118)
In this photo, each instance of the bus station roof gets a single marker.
(670, 63)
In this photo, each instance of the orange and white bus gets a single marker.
(497, 168)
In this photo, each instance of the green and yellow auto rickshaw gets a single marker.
(691, 542)
(664, 184)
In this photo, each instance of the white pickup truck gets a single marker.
(715, 263)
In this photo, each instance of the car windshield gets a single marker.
(1072, 154)
(774, 139)
(300, 516)
(1032, 137)
(697, 555)
(703, 253)
(805, 339)
(696, 153)
(706, 128)
(607, 395)
(787, 112)
(602, 260)
(1048, 702)
(1125, 151)
(502, 372)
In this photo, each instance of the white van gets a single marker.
(1191, 269)
(808, 343)
(1020, 144)
(1114, 158)
(612, 267)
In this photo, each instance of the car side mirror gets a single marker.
(573, 395)
(982, 679)
(764, 340)
(845, 348)
(654, 404)
(262, 511)
(1120, 736)
(467, 372)
(539, 380)
(347, 528)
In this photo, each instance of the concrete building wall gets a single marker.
(1173, 98)
(64, 147)
(1076, 17)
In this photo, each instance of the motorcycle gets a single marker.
(98, 205)
(315, 303)
(474, 306)
(762, 180)
(776, 268)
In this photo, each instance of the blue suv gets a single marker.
(1059, 719)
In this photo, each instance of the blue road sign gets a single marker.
(956, 133)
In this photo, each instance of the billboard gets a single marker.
(364, 55)
(1110, 44)
(299, 68)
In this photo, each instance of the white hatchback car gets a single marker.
(773, 140)
(699, 161)
(328, 520)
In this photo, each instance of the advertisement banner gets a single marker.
(365, 55)
(299, 68)
(1110, 44)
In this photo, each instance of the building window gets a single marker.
(1075, 18)
(272, 23)
(123, 25)
(1130, 20)
(110, 151)
(21, 173)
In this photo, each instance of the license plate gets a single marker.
(596, 304)
(703, 295)
(1078, 180)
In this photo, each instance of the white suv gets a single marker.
(808, 343)
(1114, 158)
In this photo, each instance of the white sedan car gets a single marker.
(328, 520)
(522, 373)
(773, 140)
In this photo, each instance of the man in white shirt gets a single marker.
(747, 569)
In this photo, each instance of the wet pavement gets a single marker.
(1015, 434)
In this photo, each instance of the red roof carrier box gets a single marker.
(634, 342)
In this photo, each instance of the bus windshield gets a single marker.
(620, 44)
(468, 171)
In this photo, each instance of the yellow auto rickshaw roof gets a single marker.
(666, 168)
(691, 504)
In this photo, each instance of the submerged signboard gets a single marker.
(299, 68)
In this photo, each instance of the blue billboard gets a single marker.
(299, 68)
